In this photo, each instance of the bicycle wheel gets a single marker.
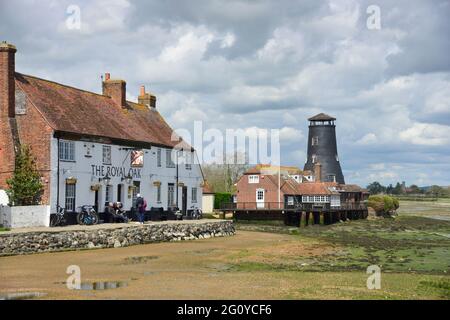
(55, 220)
(94, 217)
(80, 218)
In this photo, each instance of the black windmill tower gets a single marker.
(322, 149)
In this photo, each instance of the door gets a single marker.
(96, 201)
(184, 200)
(259, 198)
(119, 192)
(170, 195)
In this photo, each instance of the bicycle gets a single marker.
(59, 218)
(87, 215)
(196, 213)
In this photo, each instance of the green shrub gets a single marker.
(376, 203)
(396, 203)
(221, 198)
(388, 204)
(383, 204)
(25, 187)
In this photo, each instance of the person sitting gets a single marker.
(119, 213)
(109, 212)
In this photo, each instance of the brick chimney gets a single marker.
(146, 98)
(317, 172)
(116, 89)
(7, 84)
(8, 124)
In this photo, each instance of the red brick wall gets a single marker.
(7, 64)
(246, 192)
(32, 128)
(35, 132)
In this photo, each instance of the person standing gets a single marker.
(140, 206)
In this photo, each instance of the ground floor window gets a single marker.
(170, 194)
(194, 194)
(158, 193)
(136, 190)
(109, 193)
(70, 197)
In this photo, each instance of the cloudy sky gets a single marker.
(265, 64)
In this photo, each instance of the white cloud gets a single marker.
(426, 134)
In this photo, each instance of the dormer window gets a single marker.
(254, 178)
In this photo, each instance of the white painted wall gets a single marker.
(208, 203)
(86, 175)
(24, 217)
(4, 200)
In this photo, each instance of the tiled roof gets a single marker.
(73, 110)
(271, 169)
(315, 188)
(207, 188)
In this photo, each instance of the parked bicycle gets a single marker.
(87, 215)
(196, 213)
(59, 218)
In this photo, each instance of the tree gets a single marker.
(414, 189)
(397, 189)
(222, 177)
(376, 188)
(25, 187)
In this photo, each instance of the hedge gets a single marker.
(220, 198)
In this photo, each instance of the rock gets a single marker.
(117, 244)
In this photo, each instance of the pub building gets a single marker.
(92, 148)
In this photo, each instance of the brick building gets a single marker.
(93, 148)
(272, 187)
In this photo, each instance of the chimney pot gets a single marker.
(7, 82)
(142, 91)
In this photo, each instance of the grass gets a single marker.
(411, 246)
(3, 229)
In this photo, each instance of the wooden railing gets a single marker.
(284, 206)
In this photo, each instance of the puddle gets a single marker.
(21, 295)
(103, 285)
(138, 260)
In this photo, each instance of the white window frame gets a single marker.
(106, 155)
(260, 200)
(158, 157)
(290, 201)
(188, 164)
(313, 158)
(158, 193)
(194, 195)
(253, 178)
(109, 193)
(70, 197)
(67, 150)
(169, 162)
(171, 194)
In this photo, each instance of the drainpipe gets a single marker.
(57, 179)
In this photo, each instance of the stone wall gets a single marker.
(14, 243)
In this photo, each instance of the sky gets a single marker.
(265, 65)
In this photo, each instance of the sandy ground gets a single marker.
(192, 269)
